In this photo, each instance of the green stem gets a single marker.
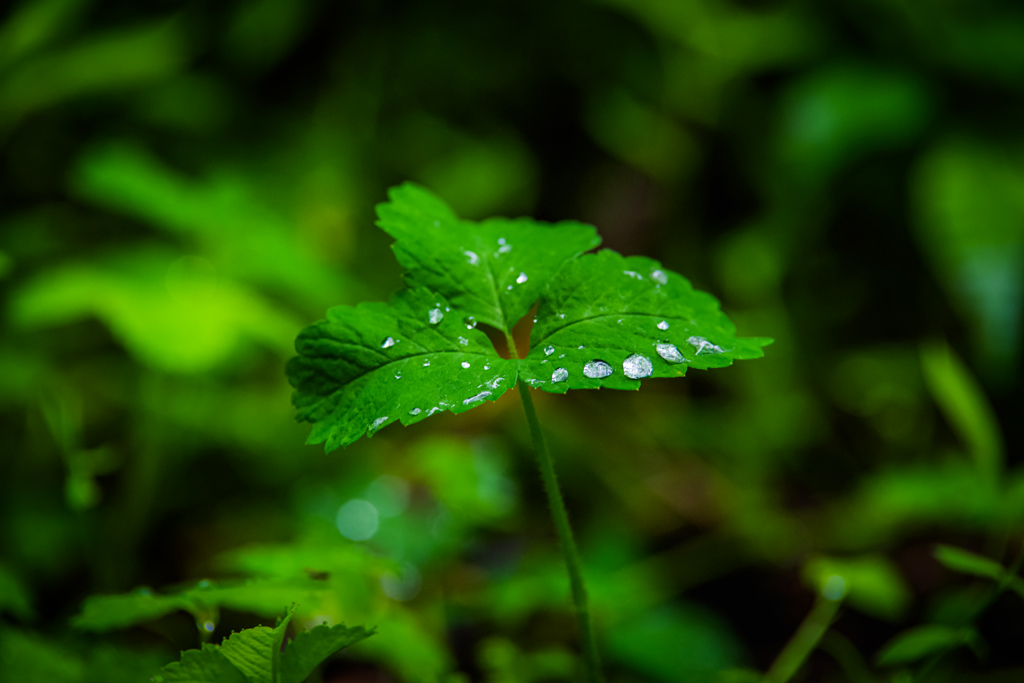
(561, 519)
(803, 642)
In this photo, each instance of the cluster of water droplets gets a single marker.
(503, 247)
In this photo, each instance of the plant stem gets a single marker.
(803, 642)
(561, 519)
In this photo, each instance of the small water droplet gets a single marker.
(398, 375)
(474, 399)
(637, 366)
(581, 347)
(670, 353)
(633, 274)
(509, 288)
(487, 366)
(521, 279)
(465, 364)
(561, 316)
(435, 316)
(426, 363)
(415, 411)
(471, 258)
(378, 423)
(493, 384)
(387, 342)
(534, 382)
(470, 322)
(548, 350)
(433, 410)
(660, 277)
(702, 344)
(501, 240)
(596, 369)
(463, 341)
(561, 355)
(560, 375)
(663, 325)
(504, 249)
(208, 626)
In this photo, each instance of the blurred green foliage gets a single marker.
(184, 186)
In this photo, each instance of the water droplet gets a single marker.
(596, 369)
(433, 410)
(208, 626)
(470, 322)
(702, 344)
(670, 353)
(660, 277)
(663, 325)
(426, 363)
(504, 249)
(493, 384)
(633, 274)
(378, 423)
(387, 342)
(487, 366)
(501, 240)
(473, 399)
(534, 382)
(435, 316)
(521, 279)
(471, 258)
(415, 411)
(548, 350)
(465, 364)
(509, 288)
(463, 341)
(561, 316)
(561, 355)
(637, 366)
(560, 375)
(398, 375)
(581, 347)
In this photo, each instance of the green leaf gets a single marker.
(966, 562)
(256, 652)
(312, 647)
(922, 641)
(108, 612)
(493, 270)
(374, 364)
(626, 318)
(207, 665)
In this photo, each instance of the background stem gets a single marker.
(561, 519)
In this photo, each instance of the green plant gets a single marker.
(603, 321)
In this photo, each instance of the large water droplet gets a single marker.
(663, 325)
(415, 411)
(521, 279)
(637, 366)
(378, 423)
(660, 277)
(702, 344)
(426, 363)
(560, 375)
(435, 316)
(387, 342)
(473, 399)
(465, 364)
(596, 369)
(670, 353)
(548, 350)
(471, 258)
(470, 322)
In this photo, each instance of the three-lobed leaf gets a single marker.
(603, 320)
(259, 655)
